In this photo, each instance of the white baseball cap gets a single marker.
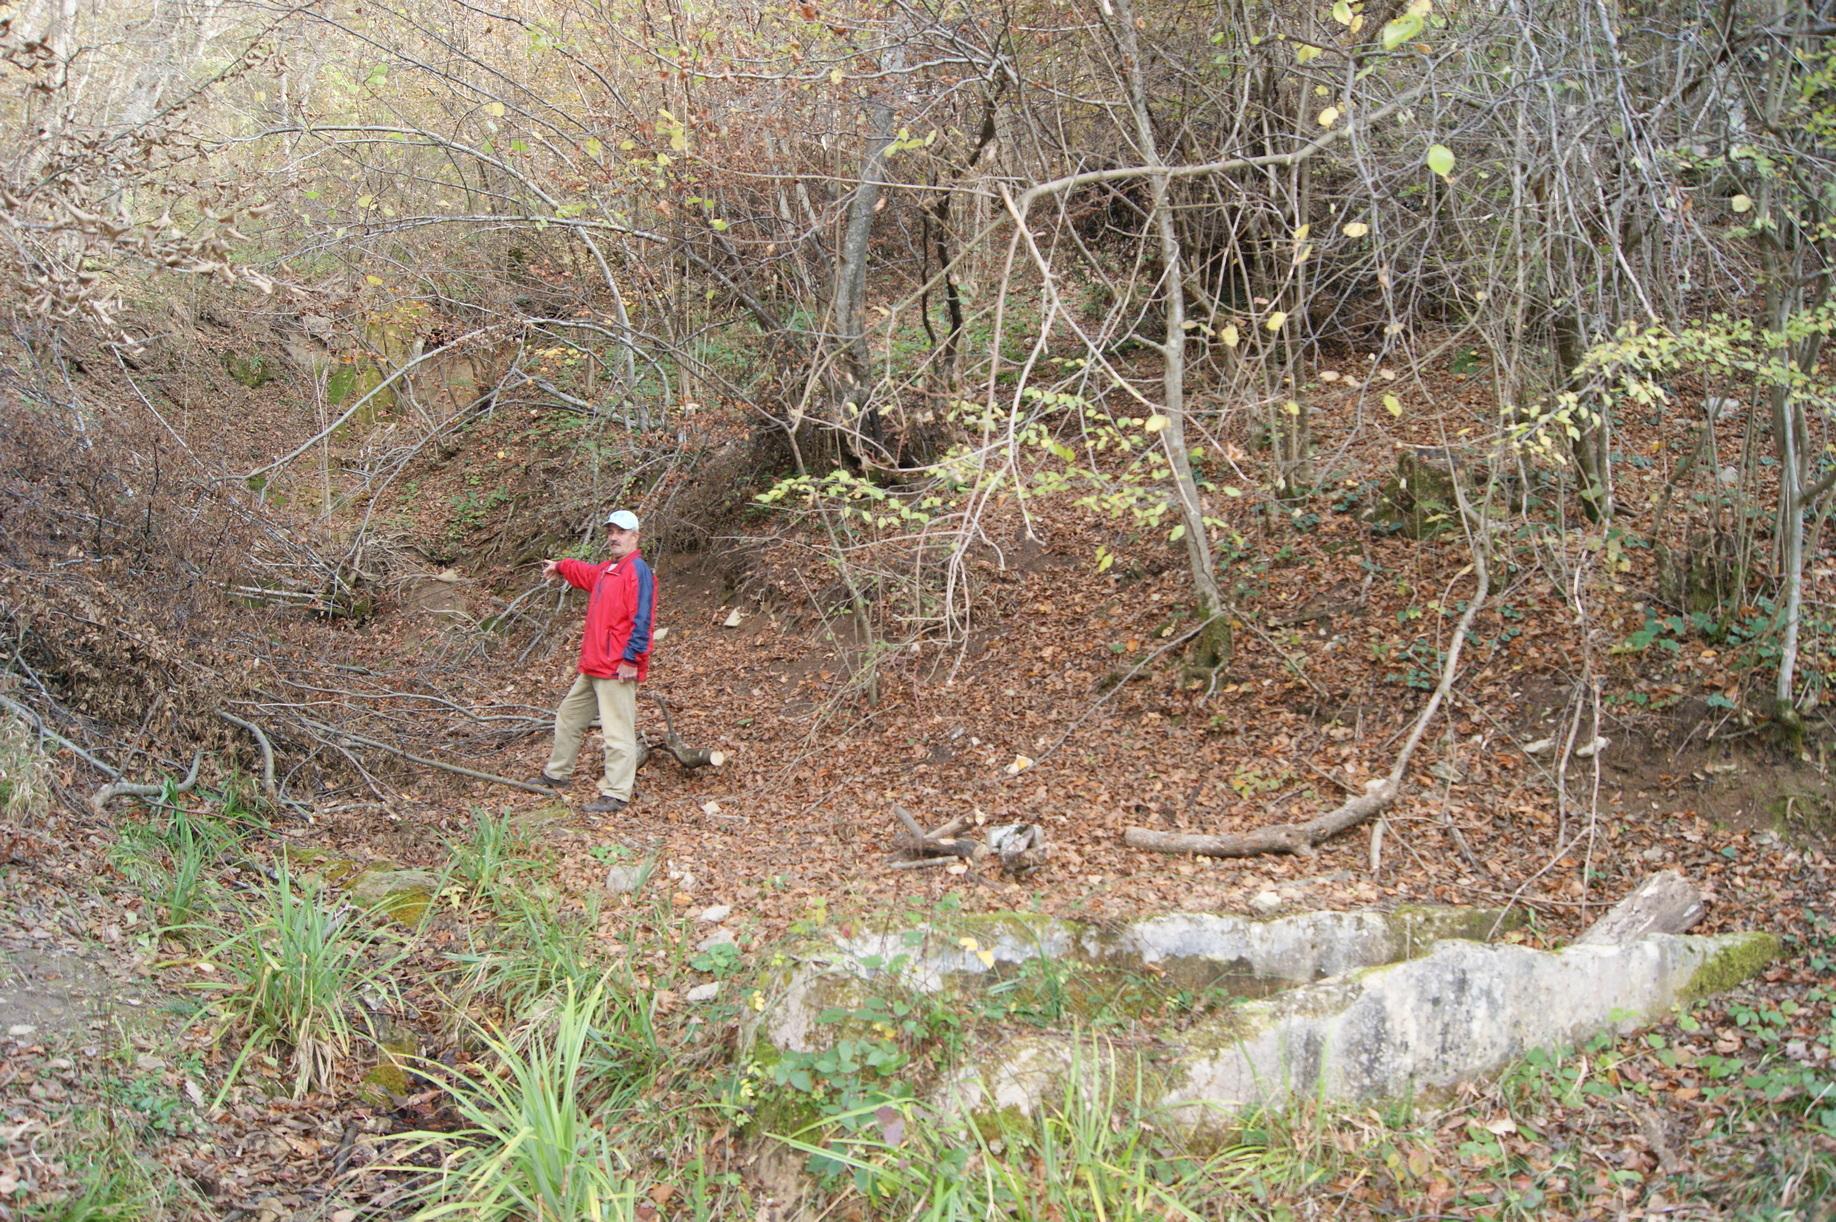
(624, 519)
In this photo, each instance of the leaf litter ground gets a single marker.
(1341, 631)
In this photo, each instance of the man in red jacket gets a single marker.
(614, 659)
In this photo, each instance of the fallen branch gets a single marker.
(130, 789)
(945, 831)
(412, 758)
(687, 756)
(267, 753)
(922, 863)
(1378, 794)
(920, 842)
(44, 731)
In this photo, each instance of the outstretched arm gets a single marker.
(574, 572)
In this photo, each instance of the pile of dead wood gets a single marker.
(1015, 848)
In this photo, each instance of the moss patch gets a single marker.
(387, 1081)
(1803, 818)
(1737, 958)
(250, 371)
(1417, 928)
(401, 895)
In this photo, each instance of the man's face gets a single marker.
(621, 542)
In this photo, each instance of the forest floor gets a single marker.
(1062, 708)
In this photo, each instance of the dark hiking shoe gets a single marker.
(605, 805)
(546, 781)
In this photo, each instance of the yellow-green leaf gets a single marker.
(1155, 423)
(1306, 53)
(1275, 321)
(1741, 203)
(593, 147)
(1229, 335)
(1440, 159)
(1397, 32)
(495, 109)
(373, 280)
(1329, 116)
(1393, 405)
(1177, 533)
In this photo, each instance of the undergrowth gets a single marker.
(547, 1120)
(25, 788)
(305, 973)
(1095, 1151)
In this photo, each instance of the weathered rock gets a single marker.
(1664, 903)
(1195, 950)
(1460, 1012)
(1456, 1014)
(401, 895)
(387, 1081)
(627, 880)
(1202, 950)
(704, 992)
(720, 937)
(716, 914)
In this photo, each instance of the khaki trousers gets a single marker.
(615, 703)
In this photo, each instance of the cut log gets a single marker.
(1664, 903)
(687, 756)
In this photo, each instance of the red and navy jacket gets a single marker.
(620, 611)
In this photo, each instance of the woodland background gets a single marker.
(1180, 427)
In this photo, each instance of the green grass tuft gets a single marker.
(298, 975)
(535, 1144)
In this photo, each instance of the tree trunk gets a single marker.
(1215, 643)
(848, 314)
